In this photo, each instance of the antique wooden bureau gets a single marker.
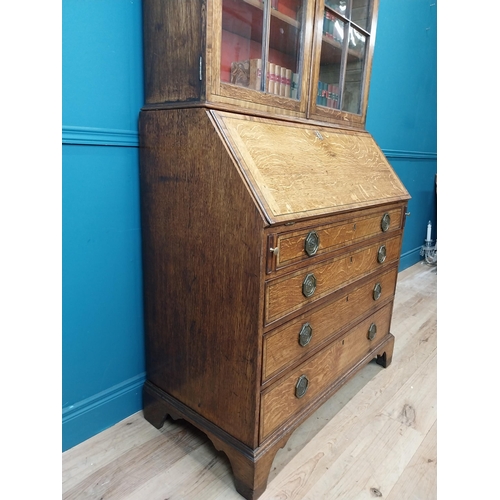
(271, 244)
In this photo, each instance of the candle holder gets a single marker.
(429, 252)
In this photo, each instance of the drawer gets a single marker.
(296, 339)
(302, 245)
(282, 401)
(290, 293)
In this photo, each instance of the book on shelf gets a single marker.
(288, 82)
(247, 73)
(277, 79)
(271, 77)
(280, 80)
(321, 97)
(328, 95)
(283, 81)
(240, 73)
(328, 24)
(255, 78)
(294, 86)
(334, 96)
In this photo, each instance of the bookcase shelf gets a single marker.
(284, 30)
(236, 19)
(331, 48)
(284, 18)
(274, 12)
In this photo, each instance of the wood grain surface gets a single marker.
(284, 295)
(281, 346)
(279, 401)
(302, 171)
(292, 245)
(174, 42)
(202, 238)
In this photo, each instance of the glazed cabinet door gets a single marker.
(343, 47)
(262, 53)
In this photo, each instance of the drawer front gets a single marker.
(288, 294)
(289, 343)
(302, 245)
(282, 400)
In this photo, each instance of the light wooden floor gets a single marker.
(376, 437)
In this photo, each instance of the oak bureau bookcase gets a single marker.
(271, 220)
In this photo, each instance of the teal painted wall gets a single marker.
(103, 364)
(103, 352)
(402, 109)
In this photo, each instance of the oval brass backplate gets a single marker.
(377, 291)
(301, 386)
(372, 331)
(385, 222)
(381, 254)
(305, 334)
(311, 244)
(309, 285)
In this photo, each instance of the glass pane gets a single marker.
(353, 83)
(361, 13)
(285, 39)
(331, 61)
(241, 49)
(339, 6)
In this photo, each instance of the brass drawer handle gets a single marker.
(305, 334)
(311, 244)
(301, 386)
(377, 291)
(309, 285)
(381, 254)
(372, 331)
(385, 222)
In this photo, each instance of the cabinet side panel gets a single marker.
(174, 41)
(202, 268)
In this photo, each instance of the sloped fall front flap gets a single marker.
(300, 170)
